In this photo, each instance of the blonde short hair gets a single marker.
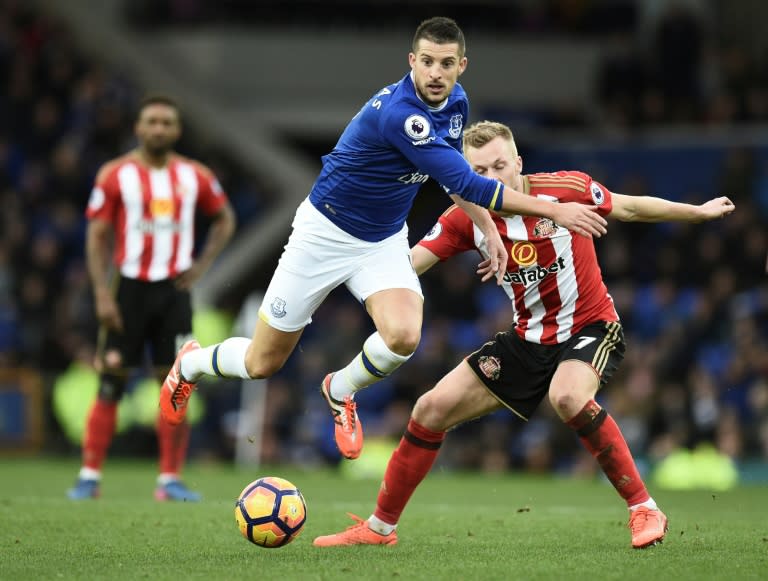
(480, 133)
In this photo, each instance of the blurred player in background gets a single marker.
(352, 230)
(143, 204)
(566, 341)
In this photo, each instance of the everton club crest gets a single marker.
(278, 308)
(457, 122)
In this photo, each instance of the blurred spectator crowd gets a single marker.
(666, 61)
(693, 299)
(62, 116)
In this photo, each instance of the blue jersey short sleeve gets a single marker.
(391, 147)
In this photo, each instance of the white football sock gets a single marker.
(226, 359)
(166, 478)
(372, 364)
(650, 503)
(379, 526)
(89, 474)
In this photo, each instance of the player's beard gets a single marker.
(158, 149)
(429, 98)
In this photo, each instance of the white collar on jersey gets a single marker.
(431, 108)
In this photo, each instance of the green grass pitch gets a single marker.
(456, 527)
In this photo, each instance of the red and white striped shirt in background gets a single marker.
(553, 277)
(152, 211)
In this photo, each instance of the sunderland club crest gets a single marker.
(490, 367)
(544, 228)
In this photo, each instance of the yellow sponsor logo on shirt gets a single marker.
(523, 253)
(161, 207)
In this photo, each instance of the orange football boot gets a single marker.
(348, 432)
(357, 534)
(648, 527)
(176, 391)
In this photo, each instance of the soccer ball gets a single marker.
(270, 512)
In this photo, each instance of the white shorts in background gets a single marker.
(319, 256)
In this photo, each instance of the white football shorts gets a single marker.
(319, 256)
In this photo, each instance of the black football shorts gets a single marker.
(155, 315)
(519, 372)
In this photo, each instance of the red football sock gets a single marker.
(600, 434)
(172, 442)
(99, 430)
(409, 464)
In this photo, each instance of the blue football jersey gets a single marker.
(395, 143)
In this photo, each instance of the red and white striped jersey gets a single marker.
(553, 277)
(152, 211)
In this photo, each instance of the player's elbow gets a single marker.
(227, 221)
(485, 193)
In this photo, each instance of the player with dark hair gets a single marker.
(566, 341)
(352, 230)
(143, 204)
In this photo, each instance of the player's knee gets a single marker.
(262, 367)
(428, 413)
(113, 360)
(565, 402)
(402, 340)
(260, 363)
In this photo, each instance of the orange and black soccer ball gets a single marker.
(270, 512)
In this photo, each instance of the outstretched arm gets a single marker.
(446, 165)
(579, 218)
(653, 209)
